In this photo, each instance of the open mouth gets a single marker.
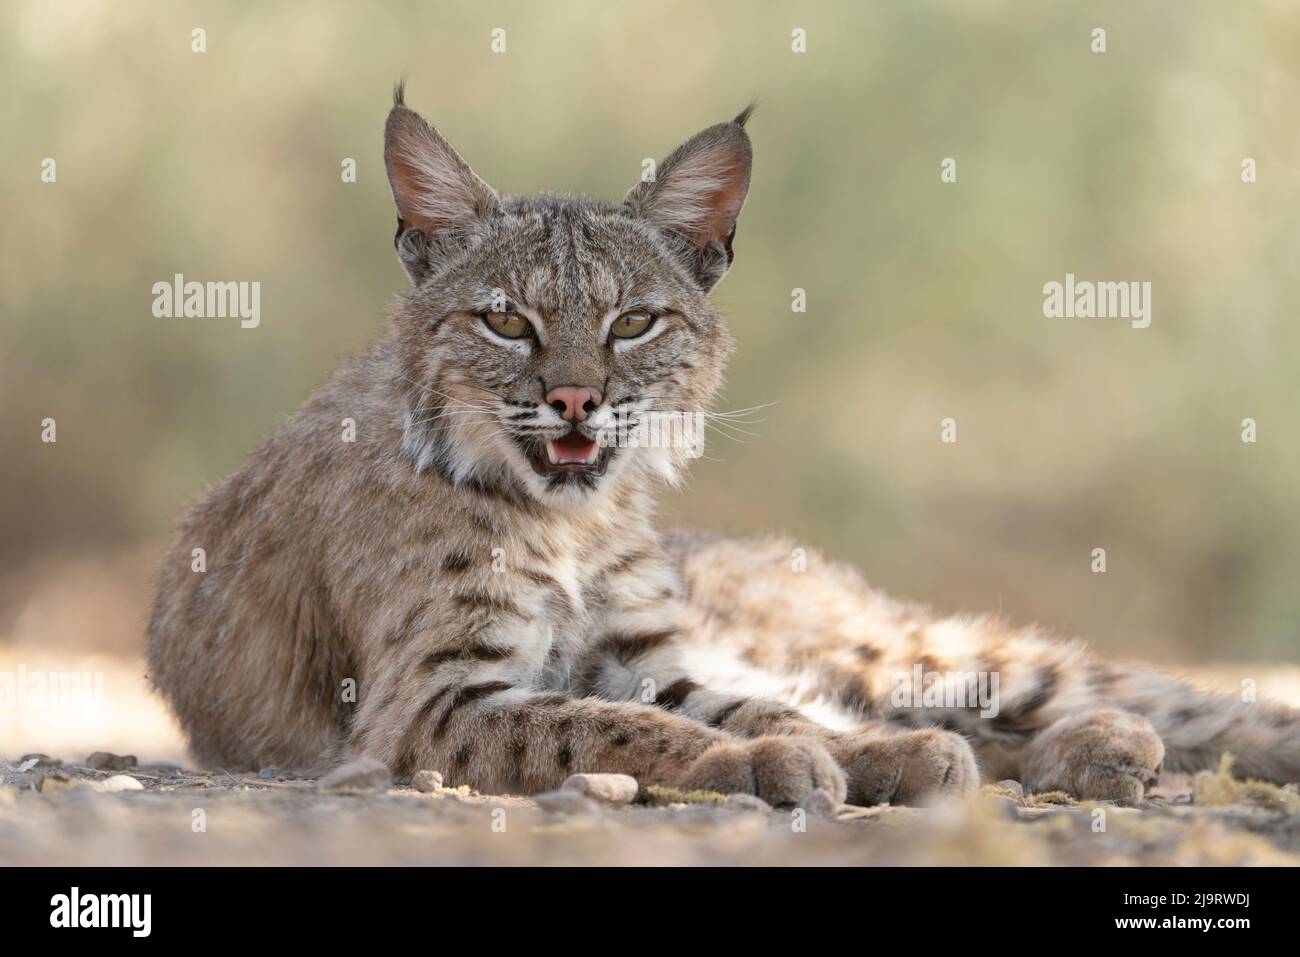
(571, 454)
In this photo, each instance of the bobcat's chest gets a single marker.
(576, 605)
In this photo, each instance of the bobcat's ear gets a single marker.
(434, 189)
(697, 194)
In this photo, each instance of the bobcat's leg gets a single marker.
(498, 737)
(881, 764)
(834, 642)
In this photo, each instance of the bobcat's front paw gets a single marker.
(1095, 756)
(908, 768)
(782, 771)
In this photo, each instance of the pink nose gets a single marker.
(573, 401)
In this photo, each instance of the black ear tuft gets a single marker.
(434, 188)
(697, 194)
(743, 117)
(399, 93)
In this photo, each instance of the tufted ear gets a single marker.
(698, 192)
(434, 189)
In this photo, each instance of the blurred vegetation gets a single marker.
(924, 298)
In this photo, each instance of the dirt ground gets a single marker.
(67, 813)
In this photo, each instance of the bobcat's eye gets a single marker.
(630, 325)
(510, 325)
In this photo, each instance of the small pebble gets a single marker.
(565, 802)
(360, 775)
(747, 802)
(107, 761)
(426, 781)
(820, 803)
(120, 782)
(613, 789)
(38, 761)
(268, 774)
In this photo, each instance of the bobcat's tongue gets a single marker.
(574, 448)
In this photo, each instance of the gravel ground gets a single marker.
(64, 814)
(75, 814)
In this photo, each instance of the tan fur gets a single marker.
(829, 644)
(431, 595)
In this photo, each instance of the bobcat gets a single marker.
(480, 562)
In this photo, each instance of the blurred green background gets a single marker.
(924, 298)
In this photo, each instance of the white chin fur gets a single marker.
(491, 458)
(665, 463)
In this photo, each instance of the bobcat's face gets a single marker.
(562, 344)
(560, 327)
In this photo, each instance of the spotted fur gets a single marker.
(432, 595)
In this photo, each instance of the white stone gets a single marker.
(360, 774)
(426, 781)
(606, 788)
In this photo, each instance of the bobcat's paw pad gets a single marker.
(909, 768)
(1096, 756)
(782, 771)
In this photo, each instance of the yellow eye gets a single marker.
(631, 324)
(508, 324)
